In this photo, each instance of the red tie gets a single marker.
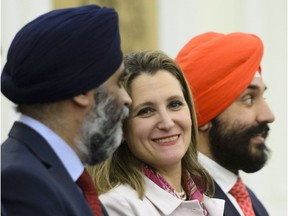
(90, 193)
(240, 193)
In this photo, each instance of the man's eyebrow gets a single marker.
(255, 87)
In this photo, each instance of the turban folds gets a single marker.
(219, 68)
(61, 54)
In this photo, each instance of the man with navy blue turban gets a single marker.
(63, 72)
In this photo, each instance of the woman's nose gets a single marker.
(165, 121)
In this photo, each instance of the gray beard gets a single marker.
(101, 132)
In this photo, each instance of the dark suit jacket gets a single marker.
(230, 210)
(33, 179)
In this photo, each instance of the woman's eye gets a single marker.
(175, 105)
(147, 111)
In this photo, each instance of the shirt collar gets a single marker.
(163, 200)
(64, 152)
(224, 178)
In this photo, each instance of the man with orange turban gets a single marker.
(224, 74)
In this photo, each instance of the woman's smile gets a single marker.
(167, 141)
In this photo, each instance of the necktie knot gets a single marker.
(85, 182)
(241, 194)
(239, 190)
(89, 192)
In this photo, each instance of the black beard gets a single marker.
(230, 145)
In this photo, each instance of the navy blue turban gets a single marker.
(62, 54)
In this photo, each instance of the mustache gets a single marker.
(125, 112)
(262, 129)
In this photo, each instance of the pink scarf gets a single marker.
(189, 186)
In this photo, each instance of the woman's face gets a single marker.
(158, 130)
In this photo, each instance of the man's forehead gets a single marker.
(257, 83)
(257, 74)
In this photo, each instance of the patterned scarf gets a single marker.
(189, 186)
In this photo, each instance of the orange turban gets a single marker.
(219, 68)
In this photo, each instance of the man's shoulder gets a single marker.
(122, 190)
(258, 207)
(257, 204)
(18, 160)
(14, 153)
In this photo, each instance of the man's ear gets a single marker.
(205, 127)
(84, 99)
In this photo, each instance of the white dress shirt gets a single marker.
(224, 178)
(64, 152)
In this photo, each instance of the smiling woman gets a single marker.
(159, 126)
(155, 170)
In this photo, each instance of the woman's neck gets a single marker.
(173, 176)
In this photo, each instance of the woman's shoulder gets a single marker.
(122, 190)
(124, 200)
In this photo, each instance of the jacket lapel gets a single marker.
(229, 207)
(168, 204)
(258, 207)
(42, 150)
(161, 199)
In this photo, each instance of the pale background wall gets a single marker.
(179, 20)
(15, 14)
